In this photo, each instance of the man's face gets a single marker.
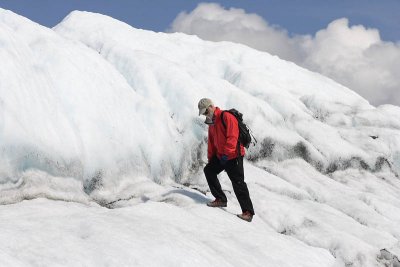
(209, 112)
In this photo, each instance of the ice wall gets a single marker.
(103, 104)
(67, 112)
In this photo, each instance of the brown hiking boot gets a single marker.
(247, 216)
(217, 203)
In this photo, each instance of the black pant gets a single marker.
(234, 169)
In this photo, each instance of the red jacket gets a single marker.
(223, 141)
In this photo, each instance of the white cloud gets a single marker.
(354, 56)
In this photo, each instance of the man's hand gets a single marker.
(223, 160)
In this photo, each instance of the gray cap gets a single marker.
(204, 103)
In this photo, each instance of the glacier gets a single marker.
(102, 153)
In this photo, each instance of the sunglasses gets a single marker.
(206, 112)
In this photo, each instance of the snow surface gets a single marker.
(102, 117)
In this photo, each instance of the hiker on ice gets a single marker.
(225, 153)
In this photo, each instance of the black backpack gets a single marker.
(244, 131)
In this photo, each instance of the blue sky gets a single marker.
(297, 16)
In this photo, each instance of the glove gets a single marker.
(223, 160)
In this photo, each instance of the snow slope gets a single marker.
(103, 115)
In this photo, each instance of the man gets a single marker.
(224, 153)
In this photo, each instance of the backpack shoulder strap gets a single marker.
(222, 118)
(223, 123)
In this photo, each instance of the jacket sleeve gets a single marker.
(211, 149)
(232, 135)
